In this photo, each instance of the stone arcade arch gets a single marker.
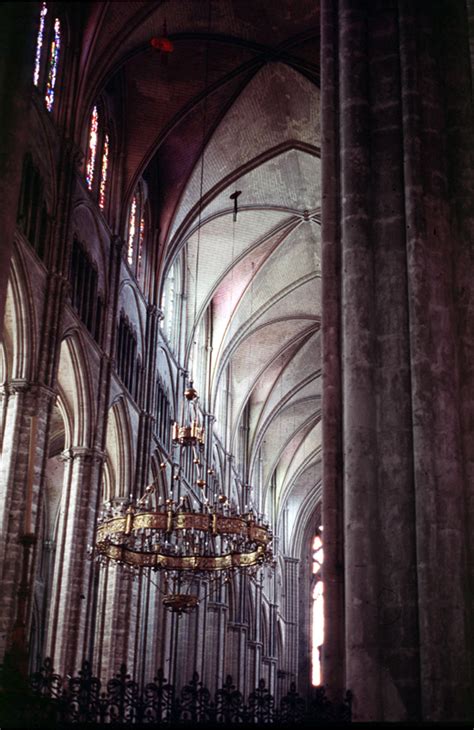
(75, 526)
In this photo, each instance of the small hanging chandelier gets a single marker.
(188, 537)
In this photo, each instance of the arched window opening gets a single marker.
(48, 46)
(85, 298)
(128, 359)
(141, 238)
(92, 147)
(103, 171)
(53, 65)
(163, 416)
(197, 365)
(243, 445)
(222, 404)
(32, 215)
(136, 232)
(132, 229)
(98, 155)
(169, 297)
(39, 44)
(317, 613)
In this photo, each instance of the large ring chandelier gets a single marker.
(178, 537)
(188, 538)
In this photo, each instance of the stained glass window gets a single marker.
(103, 172)
(53, 65)
(141, 238)
(92, 151)
(132, 226)
(317, 618)
(168, 302)
(39, 44)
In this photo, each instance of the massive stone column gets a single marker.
(397, 356)
(73, 586)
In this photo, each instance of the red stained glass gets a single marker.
(92, 151)
(132, 227)
(103, 172)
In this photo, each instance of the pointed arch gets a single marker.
(20, 331)
(75, 384)
(120, 462)
(159, 477)
(3, 364)
(129, 303)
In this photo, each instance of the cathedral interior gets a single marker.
(237, 296)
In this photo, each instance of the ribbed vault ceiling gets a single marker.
(257, 109)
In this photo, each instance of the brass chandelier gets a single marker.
(186, 535)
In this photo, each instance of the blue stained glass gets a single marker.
(53, 65)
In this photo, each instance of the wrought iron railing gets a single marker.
(50, 701)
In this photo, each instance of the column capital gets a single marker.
(237, 626)
(16, 386)
(155, 311)
(83, 452)
(217, 606)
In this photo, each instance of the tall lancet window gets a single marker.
(39, 44)
(92, 147)
(98, 155)
(132, 230)
(137, 228)
(103, 172)
(171, 291)
(317, 617)
(141, 239)
(48, 45)
(53, 65)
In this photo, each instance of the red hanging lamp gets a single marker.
(163, 44)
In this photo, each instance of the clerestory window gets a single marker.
(98, 157)
(169, 303)
(137, 229)
(48, 48)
